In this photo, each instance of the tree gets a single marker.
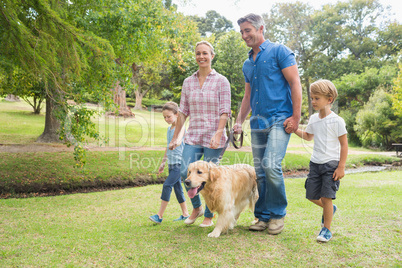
(354, 91)
(376, 121)
(396, 133)
(390, 41)
(45, 40)
(30, 89)
(346, 35)
(146, 38)
(230, 52)
(212, 23)
(292, 24)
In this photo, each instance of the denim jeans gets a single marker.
(269, 148)
(173, 181)
(193, 153)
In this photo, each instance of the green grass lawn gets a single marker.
(111, 229)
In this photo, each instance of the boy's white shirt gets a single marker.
(326, 133)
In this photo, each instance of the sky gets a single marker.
(234, 9)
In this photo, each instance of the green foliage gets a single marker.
(167, 94)
(355, 90)
(78, 127)
(397, 96)
(376, 121)
(149, 102)
(212, 23)
(25, 85)
(390, 40)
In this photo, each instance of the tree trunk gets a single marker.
(138, 100)
(139, 95)
(37, 105)
(119, 98)
(52, 125)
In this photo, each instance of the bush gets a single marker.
(376, 121)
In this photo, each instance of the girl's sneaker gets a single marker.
(181, 218)
(155, 219)
(322, 219)
(325, 235)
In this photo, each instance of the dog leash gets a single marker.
(236, 142)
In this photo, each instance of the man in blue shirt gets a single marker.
(273, 93)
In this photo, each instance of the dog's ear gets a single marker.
(188, 169)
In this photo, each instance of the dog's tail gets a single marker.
(254, 197)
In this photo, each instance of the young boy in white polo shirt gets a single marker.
(327, 164)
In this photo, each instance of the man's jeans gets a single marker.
(193, 153)
(269, 148)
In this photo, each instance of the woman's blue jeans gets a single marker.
(193, 153)
(269, 148)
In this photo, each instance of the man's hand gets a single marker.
(291, 124)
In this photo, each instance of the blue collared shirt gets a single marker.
(270, 99)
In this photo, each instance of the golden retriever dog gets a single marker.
(227, 190)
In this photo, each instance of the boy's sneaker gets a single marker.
(325, 235)
(155, 219)
(322, 219)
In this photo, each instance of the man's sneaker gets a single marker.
(259, 226)
(325, 235)
(276, 226)
(155, 219)
(322, 219)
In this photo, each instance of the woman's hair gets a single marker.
(255, 20)
(206, 43)
(324, 88)
(171, 106)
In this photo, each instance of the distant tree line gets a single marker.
(54, 51)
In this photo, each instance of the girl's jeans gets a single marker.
(173, 181)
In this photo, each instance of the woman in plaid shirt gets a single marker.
(205, 98)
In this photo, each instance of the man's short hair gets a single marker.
(256, 20)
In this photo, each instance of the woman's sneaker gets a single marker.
(325, 235)
(322, 219)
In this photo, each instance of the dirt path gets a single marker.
(44, 147)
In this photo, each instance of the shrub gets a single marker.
(376, 121)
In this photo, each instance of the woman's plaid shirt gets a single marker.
(204, 106)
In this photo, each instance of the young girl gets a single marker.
(170, 113)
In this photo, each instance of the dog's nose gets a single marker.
(187, 183)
